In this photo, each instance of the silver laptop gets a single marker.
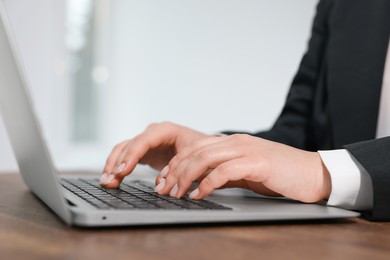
(81, 201)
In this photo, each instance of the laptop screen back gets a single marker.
(22, 126)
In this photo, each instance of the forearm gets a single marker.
(374, 156)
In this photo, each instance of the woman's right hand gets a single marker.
(155, 146)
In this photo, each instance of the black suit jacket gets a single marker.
(334, 98)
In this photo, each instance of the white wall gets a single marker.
(208, 64)
(38, 29)
(211, 65)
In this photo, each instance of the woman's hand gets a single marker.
(260, 165)
(266, 167)
(155, 146)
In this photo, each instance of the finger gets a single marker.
(154, 136)
(176, 168)
(110, 163)
(113, 157)
(233, 170)
(172, 175)
(158, 180)
(119, 165)
(202, 162)
(112, 181)
(186, 151)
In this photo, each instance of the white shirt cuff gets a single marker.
(351, 183)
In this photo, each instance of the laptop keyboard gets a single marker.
(132, 195)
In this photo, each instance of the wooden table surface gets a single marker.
(29, 230)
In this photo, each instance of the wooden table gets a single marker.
(29, 230)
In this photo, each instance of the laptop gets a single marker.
(81, 201)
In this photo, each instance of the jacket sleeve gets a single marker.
(293, 126)
(374, 156)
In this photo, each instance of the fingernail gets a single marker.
(103, 179)
(164, 171)
(194, 193)
(160, 186)
(174, 191)
(120, 168)
(109, 179)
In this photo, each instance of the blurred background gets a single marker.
(101, 71)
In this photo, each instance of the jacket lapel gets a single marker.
(359, 38)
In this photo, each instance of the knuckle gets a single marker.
(152, 126)
(137, 139)
(177, 172)
(119, 146)
(167, 124)
(110, 161)
(116, 147)
(223, 169)
(240, 137)
(207, 184)
(200, 156)
(195, 144)
(184, 178)
(160, 125)
(189, 175)
(128, 156)
(107, 169)
(173, 162)
(173, 172)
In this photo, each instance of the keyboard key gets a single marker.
(131, 195)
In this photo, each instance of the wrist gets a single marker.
(326, 181)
